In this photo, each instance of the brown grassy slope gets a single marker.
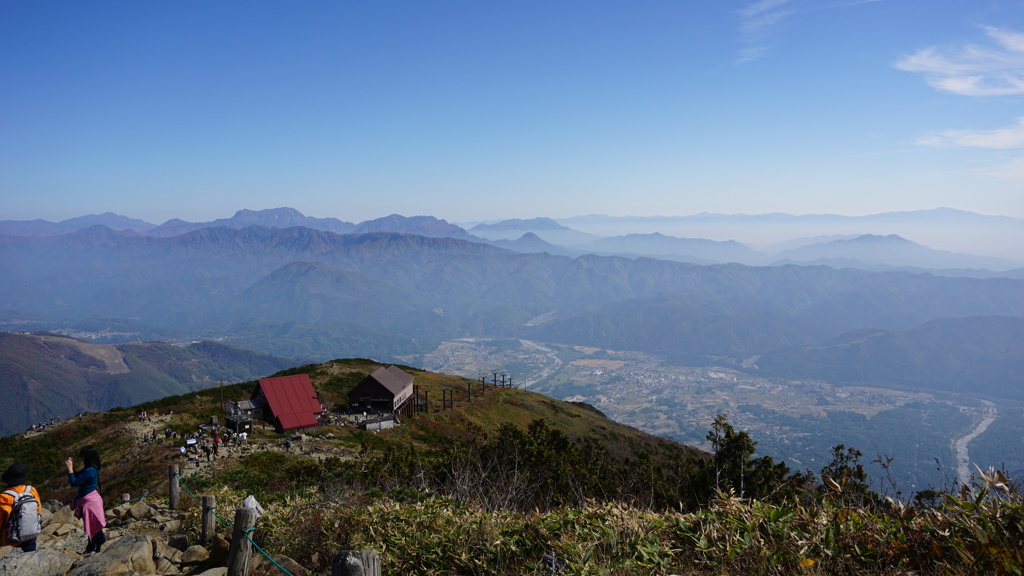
(130, 465)
(477, 409)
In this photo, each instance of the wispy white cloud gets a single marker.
(994, 69)
(1012, 171)
(757, 23)
(760, 21)
(1008, 138)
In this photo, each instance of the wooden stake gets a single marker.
(173, 490)
(241, 549)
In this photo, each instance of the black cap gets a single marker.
(16, 475)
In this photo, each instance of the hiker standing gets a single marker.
(88, 503)
(16, 478)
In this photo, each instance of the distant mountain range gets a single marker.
(293, 286)
(940, 228)
(869, 251)
(860, 250)
(307, 293)
(861, 247)
(272, 218)
(46, 375)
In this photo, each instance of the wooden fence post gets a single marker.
(356, 563)
(241, 548)
(173, 490)
(209, 519)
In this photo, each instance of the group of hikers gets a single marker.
(210, 444)
(20, 505)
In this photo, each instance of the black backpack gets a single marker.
(24, 523)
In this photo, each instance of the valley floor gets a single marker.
(798, 421)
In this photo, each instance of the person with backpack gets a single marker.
(20, 520)
(88, 504)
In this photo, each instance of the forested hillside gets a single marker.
(983, 354)
(49, 376)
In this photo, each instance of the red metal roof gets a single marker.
(292, 400)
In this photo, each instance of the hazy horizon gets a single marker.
(942, 228)
(493, 220)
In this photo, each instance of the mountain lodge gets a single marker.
(386, 390)
(289, 402)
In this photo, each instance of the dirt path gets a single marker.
(229, 453)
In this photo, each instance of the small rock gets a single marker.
(195, 555)
(219, 549)
(179, 542)
(140, 511)
(64, 529)
(162, 550)
(285, 562)
(63, 515)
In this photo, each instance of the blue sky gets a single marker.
(481, 110)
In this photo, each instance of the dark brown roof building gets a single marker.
(386, 390)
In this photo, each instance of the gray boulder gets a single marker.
(39, 563)
(61, 515)
(126, 555)
(140, 511)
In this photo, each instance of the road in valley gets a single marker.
(548, 370)
(963, 461)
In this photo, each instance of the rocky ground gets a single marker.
(147, 538)
(142, 539)
(230, 452)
